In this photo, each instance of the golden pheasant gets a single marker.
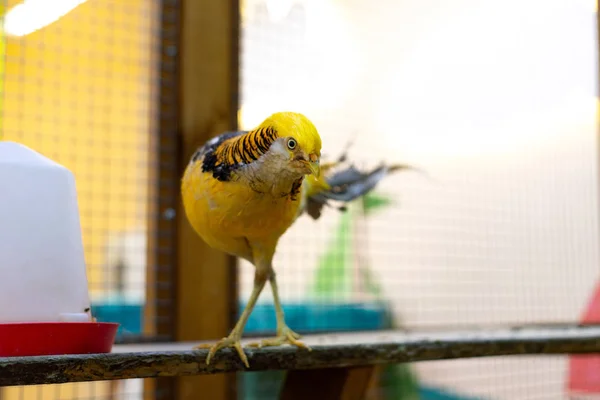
(242, 190)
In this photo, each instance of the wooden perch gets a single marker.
(328, 352)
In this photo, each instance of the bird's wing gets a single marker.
(340, 184)
(344, 186)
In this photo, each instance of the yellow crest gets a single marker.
(296, 125)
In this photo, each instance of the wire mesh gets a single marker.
(81, 86)
(502, 228)
(495, 102)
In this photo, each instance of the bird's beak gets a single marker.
(314, 164)
(311, 163)
(315, 168)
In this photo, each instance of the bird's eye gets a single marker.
(291, 144)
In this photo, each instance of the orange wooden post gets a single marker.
(206, 278)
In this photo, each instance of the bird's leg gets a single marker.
(235, 336)
(284, 333)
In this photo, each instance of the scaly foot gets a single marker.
(284, 335)
(233, 340)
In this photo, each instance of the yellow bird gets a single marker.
(242, 190)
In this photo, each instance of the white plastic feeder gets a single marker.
(42, 268)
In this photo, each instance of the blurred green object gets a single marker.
(332, 277)
(372, 202)
(333, 282)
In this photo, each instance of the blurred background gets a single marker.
(496, 102)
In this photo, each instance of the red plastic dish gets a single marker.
(56, 338)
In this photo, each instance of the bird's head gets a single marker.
(298, 142)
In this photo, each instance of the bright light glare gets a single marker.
(278, 9)
(327, 64)
(459, 94)
(32, 15)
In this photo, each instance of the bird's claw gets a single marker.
(284, 336)
(229, 341)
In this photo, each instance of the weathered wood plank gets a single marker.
(328, 351)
